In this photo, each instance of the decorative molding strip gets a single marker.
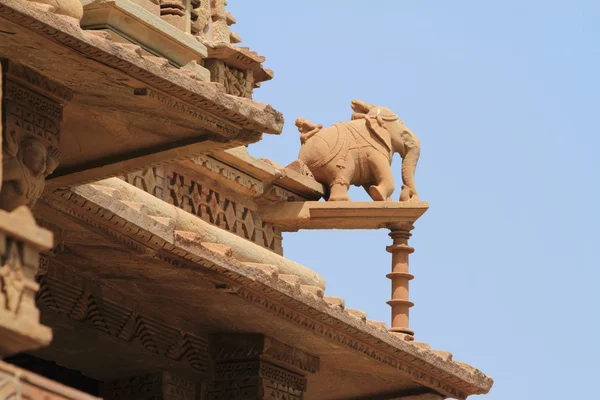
(254, 187)
(37, 81)
(214, 123)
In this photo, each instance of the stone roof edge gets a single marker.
(303, 305)
(176, 82)
(271, 174)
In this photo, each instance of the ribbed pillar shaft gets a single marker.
(400, 278)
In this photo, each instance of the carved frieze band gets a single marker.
(196, 195)
(209, 121)
(117, 320)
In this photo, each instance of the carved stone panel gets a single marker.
(236, 82)
(254, 366)
(31, 117)
(199, 196)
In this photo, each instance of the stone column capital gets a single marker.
(255, 366)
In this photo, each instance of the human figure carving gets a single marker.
(307, 129)
(240, 83)
(26, 164)
(359, 152)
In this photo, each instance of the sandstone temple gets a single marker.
(141, 244)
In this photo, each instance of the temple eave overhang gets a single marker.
(163, 112)
(284, 305)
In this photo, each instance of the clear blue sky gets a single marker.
(504, 96)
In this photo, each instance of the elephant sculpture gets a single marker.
(359, 152)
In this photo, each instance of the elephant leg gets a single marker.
(342, 172)
(338, 191)
(383, 185)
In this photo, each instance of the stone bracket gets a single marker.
(293, 216)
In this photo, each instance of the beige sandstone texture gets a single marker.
(150, 31)
(140, 202)
(360, 153)
(69, 8)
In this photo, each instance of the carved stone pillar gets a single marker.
(20, 243)
(400, 277)
(155, 386)
(256, 367)
(32, 107)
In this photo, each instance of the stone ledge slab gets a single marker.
(141, 27)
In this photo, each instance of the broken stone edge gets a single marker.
(176, 82)
(300, 304)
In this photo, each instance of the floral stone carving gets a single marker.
(359, 152)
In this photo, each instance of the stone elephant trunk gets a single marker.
(409, 149)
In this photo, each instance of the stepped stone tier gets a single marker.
(142, 251)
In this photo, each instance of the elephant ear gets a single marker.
(376, 125)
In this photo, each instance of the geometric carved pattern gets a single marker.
(254, 366)
(252, 380)
(119, 321)
(203, 200)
